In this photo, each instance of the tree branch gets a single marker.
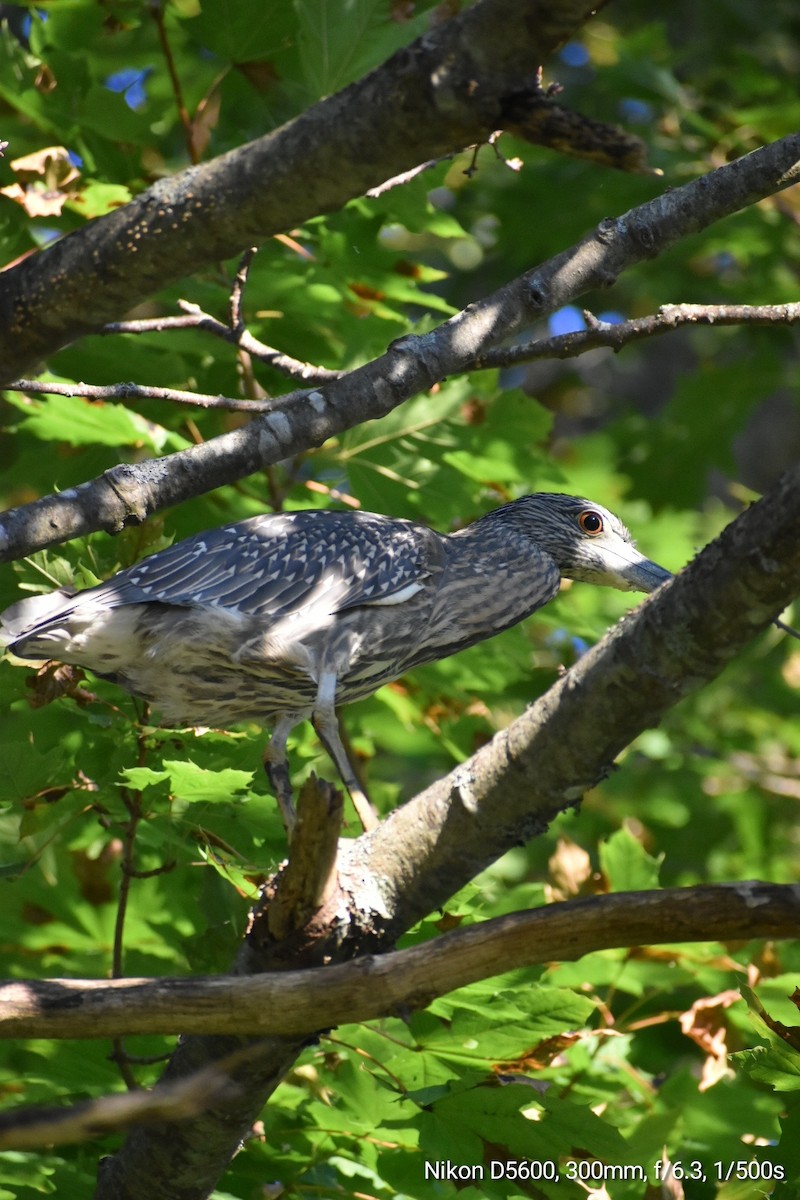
(604, 334)
(128, 494)
(235, 333)
(135, 391)
(448, 90)
(32, 1128)
(597, 335)
(370, 987)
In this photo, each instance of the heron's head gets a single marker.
(588, 543)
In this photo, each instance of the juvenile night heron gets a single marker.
(282, 617)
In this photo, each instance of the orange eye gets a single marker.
(591, 522)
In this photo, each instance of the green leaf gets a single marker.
(143, 777)
(333, 52)
(80, 422)
(98, 198)
(778, 1065)
(192, 783)
(627, 865)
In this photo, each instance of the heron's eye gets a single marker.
(591, 522)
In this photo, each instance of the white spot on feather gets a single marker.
(400, 597)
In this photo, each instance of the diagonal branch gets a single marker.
(128, 494)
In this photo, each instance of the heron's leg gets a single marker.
(277, 768)
(327, 727)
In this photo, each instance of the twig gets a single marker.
(152, 324)
(405, 177)
(133, 803)
(157, 10)
(235, 333)
(251, 386)
(617, 336)
(598, 334)
(237, 291)
(786, 628)
(132, 800)
(195, 318)
(136, 391)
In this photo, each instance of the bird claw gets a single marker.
(278, 776)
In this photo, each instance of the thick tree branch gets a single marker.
(448, 90)
(301, 419)
(292, 1002)
(678, 640)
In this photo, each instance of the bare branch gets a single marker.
(237, 291)
(237, 335)
(403, 177)
(615, 336)
(295, 1002)
(136, 391)
(193, 318)
(548, 124)
(297, 421)
(598, 334)
(31, 1128)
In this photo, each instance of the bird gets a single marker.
(285, 616)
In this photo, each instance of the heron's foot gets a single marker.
(328, 731)
(364, 810)
(279, 782)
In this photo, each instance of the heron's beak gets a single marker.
(619, 564)
(641, 576)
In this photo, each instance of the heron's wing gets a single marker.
(33, 612)
(275, 564)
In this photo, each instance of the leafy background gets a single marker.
(604, 1061)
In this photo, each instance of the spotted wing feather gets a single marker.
(269, 565)
(265, 568)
